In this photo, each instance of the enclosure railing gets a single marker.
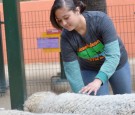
(43, 68)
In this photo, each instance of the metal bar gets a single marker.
(2, 68)
(14, 53)
(63, 75)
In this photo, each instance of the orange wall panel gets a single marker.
(35, 21)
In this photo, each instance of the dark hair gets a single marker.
(70, 4)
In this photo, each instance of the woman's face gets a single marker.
(67, 19)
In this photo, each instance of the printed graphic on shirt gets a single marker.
(91, 51)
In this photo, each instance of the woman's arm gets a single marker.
(73, 74)
(70, 63)
(109, 36)
(112, 58)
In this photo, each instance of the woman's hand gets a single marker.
(91, 87)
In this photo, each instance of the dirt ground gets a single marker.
(5, 100)
(38, 78)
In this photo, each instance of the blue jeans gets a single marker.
(120, 81)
